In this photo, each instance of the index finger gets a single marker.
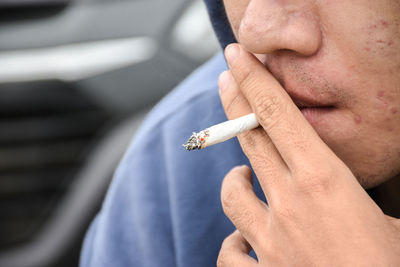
(284, 123)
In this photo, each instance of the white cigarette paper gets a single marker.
(221, 132)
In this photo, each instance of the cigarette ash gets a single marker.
(197, 140)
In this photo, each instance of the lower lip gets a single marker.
(316, 114)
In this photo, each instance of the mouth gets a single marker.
(316, 114)
(313, 110)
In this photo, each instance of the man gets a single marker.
(322, 78)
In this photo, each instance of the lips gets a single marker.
(313, 109)
(309, 101)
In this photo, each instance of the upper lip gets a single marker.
(306, 100)
(302, 95)
(308, 103)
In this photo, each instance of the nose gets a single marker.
(272, 25)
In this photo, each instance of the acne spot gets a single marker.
(357, 119)
(384, 23)
(393, 110)
(390, 43)
(352, 67)
(380, 41)
(380, 97)
(367, 49)
(372, 27)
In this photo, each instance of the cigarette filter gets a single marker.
(221, 132)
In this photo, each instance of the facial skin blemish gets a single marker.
(367, 49)
(393, 110)
(380, 41)
(384, 23)
(357, 119)
(380, 97)
(390, 43)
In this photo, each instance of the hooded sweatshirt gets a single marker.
(163, 206)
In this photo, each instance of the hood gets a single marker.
(220, 22)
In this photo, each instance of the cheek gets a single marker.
(369, 37)
(376, 48)
(371, 72)
(372, 148)
(375, 109)
(381, 42)
(386, 105)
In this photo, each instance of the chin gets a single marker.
(368, 182)
(371, 165)
(370, 178)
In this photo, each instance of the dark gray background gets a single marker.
(62, 135)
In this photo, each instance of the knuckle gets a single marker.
(227, 197)
(244, 219)
(221, 257)
(237, 100)
(268, 166)
(284, 214)
(233, 198)
(226, 243)
(257, 160)
(268, 248)
(221, 261)
(316, 182)
(230, 191)
(245, 79)
(248, 139)
(224, 253)
(251, 144)
(300, 144)
(267, 108)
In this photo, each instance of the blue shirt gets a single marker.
(163, 206)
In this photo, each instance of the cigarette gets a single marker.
(221, 132)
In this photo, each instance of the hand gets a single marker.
(317, 213)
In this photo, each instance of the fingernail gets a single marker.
(223, 80)
(232, 52)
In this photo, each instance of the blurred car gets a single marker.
(76, 79)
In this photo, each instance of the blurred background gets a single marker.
(77, 77)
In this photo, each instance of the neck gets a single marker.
(387, 196)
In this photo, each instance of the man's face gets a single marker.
(339, 60)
